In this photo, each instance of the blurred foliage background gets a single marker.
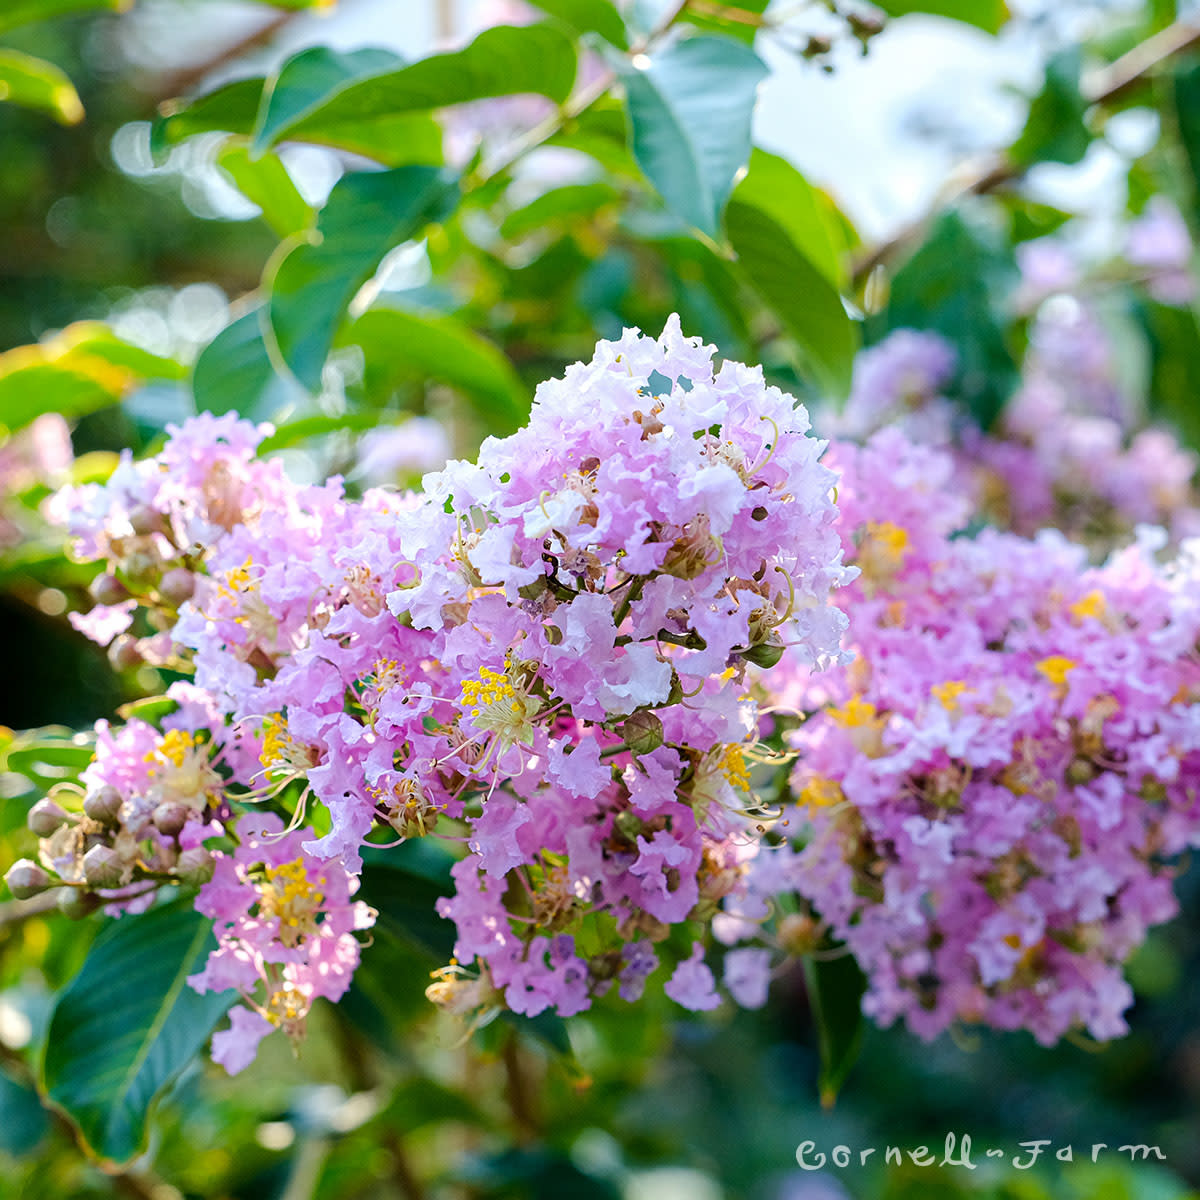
(210, 205)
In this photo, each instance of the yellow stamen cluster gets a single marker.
(237, 579)
(490, 688)
(1092, 605)
(1056, 668)
(734, 768)
(820, 792)
(285, 1008)
(173, 748)
(291, 896)
(865, 725)
(947, 693)
(882, 549)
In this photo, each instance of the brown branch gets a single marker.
(181, 82)
(1114, 82)
(15, 912)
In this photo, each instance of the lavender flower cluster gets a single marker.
(604, 664)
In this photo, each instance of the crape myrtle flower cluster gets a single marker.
(545, 657)
(996, 790)
(1071, 448)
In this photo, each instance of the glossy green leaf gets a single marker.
(690, 109)
(232, 108)
(1055, 129)
(24, 12)
(34, 83)
(988, 15)
(957, 284)
(502, 61)
(23, 1120)
(399, 345)
(367, 214)
(797, 291)
(403, 888)
(127, 1024)
(265, 181)
(835, 992)
(394, 140)
(309, 80)
(234, 370)
(812, 223)
(734, 18)
(588, 16)
(84, 368)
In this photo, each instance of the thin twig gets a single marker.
(1114, 82)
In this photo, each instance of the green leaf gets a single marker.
(84, 368)
(403, 891)
(367, 214)
(1185, 96)
(723, 16)
(127, 1024)
(49, 756)
(835, 992)
(23, 1120)
(690, 109)
(394, 140)
(308, 80)
(234, 370)
(23, 12)
(763, 231)
(265, 181)
(1174, 351)
(569, 203)
(589, 16)
(501, 61)
(398, 345)
(957, 284)
(1055, 129)
(34, 83)
(809, 217)
(232, 108)
(292, 433)
(988, 15)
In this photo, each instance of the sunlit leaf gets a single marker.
(366, 215)
(84, 368)
(588, 16)
(988, 15)
(265, 181)
(690, 107)
(23, 12)
(787, 254)
(502, 61)
(34, 83)
(399, 345)
(307, 81)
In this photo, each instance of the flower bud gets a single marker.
(642, 732)
(195, 866)
(26, 879)
(76, 903)
(107, 589)
(140, 567)
(765, 654)
(799, 933)
(145, 520)
(177, 585)
(45, 817)
(123, 653)
(104, 805)
(170, 817)
(102, 867)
